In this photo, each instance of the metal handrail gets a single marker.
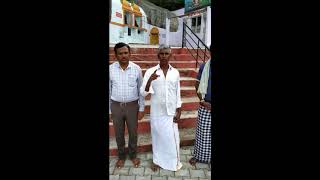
(185, 40)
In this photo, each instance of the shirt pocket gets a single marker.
(132, 80)
(172, 85)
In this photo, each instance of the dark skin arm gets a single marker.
(206, 105)
(176, 119)
(197, 86)
(140, 115)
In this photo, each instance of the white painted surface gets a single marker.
(174, 39)
(178, 12)
(120, 34)
(205, 30)
(208, 27)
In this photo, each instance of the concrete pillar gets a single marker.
(167, 31)
(208, 27)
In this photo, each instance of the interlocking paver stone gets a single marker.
(202, 166)
(143, 177)
(202, 171)
(122, 171)
(136, 171)
(182, 172)
(197, 173)
(164, 172)
(159, 178)
(114, 177)
(127, 177)
(148, 171)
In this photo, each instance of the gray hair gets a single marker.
(163, 46)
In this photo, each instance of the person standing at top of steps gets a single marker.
(163, 83)
(202, 148)
(126, 104)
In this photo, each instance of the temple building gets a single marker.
(128, 23)
(155, 25)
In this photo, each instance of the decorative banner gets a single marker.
(118, 14)
(196, 12)
(191, 5)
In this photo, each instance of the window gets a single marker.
(196, 24)
(129, 31)
(137, 21)
(127, 18)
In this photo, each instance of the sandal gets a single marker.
(120, 163)
(136, 162)
(193, 161)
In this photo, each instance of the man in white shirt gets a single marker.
(163, 83)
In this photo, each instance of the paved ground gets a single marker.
(143, 172)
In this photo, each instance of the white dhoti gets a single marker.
(165, 143)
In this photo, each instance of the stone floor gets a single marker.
(143, 172)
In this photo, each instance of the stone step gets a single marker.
(184, 72)
(151, 50)
(154, 57)
(175, 64)
(188, 120)
(144, 141)
(187, 81)
(188, 104)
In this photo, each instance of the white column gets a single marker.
(167, 31)
(208, 27)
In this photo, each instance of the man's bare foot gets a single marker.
(120, 163)
(135, 162)
(193, 161)
(154, 167)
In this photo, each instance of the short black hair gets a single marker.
(120, 45)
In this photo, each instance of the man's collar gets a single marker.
(158, 67)
(129, 65)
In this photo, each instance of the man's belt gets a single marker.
(123, 104)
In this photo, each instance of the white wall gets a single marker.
(178, 12)
(176, 37)
(116, 34)
(120, 34)
(208, 28)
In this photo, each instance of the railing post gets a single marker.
(205, 54)
(183, 34)
(197, 54)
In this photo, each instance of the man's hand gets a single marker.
(206, 105)
(140, 115)
(110, 115)
(177, 119)
(152, 77)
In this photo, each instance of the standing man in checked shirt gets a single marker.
(125, 102)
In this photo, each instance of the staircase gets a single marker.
(146, 57)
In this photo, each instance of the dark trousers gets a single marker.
(125, 113)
